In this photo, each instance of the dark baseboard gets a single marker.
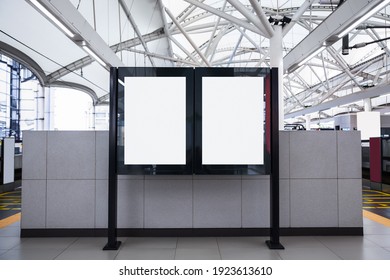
(198, 232)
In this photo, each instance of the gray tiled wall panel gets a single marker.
(217, 203)
(70, 204)
(33, 204)
(101, 155)
(284, 202)
(168, 203)
(101, 204)
(255, 203)
(313, 154)
(130, 203)
(350, 202)
(34, 155)
(349, 156)
(284, 154)
(314, 203)
(71, 155)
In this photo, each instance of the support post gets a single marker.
(274, 242)
(113, 243)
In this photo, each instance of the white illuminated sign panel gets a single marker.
(232, 120)
(155, 120)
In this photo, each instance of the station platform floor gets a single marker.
(374, 245)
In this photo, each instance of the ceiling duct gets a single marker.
(329, 2)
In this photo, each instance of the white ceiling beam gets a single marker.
(166, 28)
(341, 19)
(136, 29)
(249, 16)
(72, 18)
(187, 37)
(263, 19)
(228, 17)
(207, 53)
(297, 15)
(368, 93)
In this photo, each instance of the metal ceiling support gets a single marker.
(263, 19)
(216, 40)
(375, 36)
(187, 37)
(235, 48)
(185, 51)
(318, 77)
(327, 31)
(207, 53)
(186, 13)
(368, 93)
(163, 57)
(166, 28)
(135, 27)
(250, 17)
(68, 14)
(228, 17)
(297, 15)
(325, 73)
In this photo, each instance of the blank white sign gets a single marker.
(155, 120)
(232, 120)
(369, 123)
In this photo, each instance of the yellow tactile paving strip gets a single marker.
(376, 218)
(10, 220)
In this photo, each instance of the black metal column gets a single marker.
(113, 243)
(274, 242)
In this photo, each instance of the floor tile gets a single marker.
(146, 254)
(379, 239)
(150, 243)
(197, 243)
(46, 243)
(307, 254)
(7, 243)
(376, 229)
(16, 224)
(91, 243)
(301, 242)
(2, 252)
(242, 242)
(31, 254)
(87, 254)
(248, 254)
(362, 253)
(10, 232)
(197, 254)
(334, 242)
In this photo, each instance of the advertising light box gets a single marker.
(232, 121)
(155, 121)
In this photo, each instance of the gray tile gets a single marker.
(284, 202)
(102, 155)
(379, 239)
(90, 243)
(248, 254)
(131, 177)
(284, 154)
(301, 242)
(197, 254)
(350, 202)
(255, 177)
(314, 203)
(307, 254)
(3, 252)
(10, 232)
(313, 154)
(168, 204)
(349, 154)
(217, 203)
(197, 243)
(242, 242)
(146, 254)
(255, 203)
(370, 230)
(168, 177)
(70, 204)
(7, 243)
(334, 242)
(71, 155)
(31, 254)
(149, 243)
(101, 204)
(362, 253)
(33, 204)
(34, 155)
(60, 243)
(15, 224)
(87, 254)
(130, 204)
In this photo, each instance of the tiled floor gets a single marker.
(375, 244)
